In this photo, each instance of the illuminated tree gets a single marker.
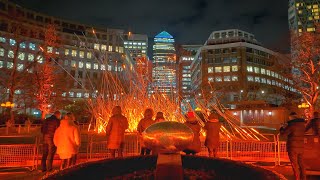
(306, 65)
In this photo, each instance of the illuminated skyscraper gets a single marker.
(164, 64)
(303, 15)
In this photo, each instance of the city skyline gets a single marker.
(189, 23)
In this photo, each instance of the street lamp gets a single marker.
(7, 104)
(303, 105)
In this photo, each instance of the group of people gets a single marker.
(61, 136)
(118, 124)
(295, 130)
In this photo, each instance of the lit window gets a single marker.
(49, 49)
(12, 42)
(80, 64)
(86, 95)
(311, 29)
(268, 81)
(210, 69)
(117, 48)
(20, 67)
(210, 79)
(73, 53)
(9, 65)
(22, 45)
(30, 57)
(89, 55)
(234, 68)
(66, 62)
(272, 73)
(103, 67)
(103, 47)
(218, 69)
(73, 63)
(81, 54)
(256, 70)
(10, 54)
(66, 52)
(276, 75)
(21, 55)
(88, 65)
(234, 78)
(218, 79)
(64, 94)
(2, 39)
(257, 79)
(1, 52)
(96, 46)
(39, 59)
(71, 94)
(1, 64)
(109, 68)
(226, 78)
(268, 72)
(263, 71)
(263, 80)
(32, 46)
(110, 48)
(249, 68)
(95, 66)
(250, 78)
(226, 68)
(79, 95)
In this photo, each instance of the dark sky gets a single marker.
(189, 21)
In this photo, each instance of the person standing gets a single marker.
(193, 124)
(73, 122)
(314, 124)
(295, 144)
(144, 124)
(212, 128)
(115, 132)
(48, 129)
(67, 140)
(159, 117)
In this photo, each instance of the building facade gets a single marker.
(164, 75)
(303, 15)
(234, 66)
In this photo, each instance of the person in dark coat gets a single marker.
(193, 124)
(159, 117)
(295, 144)
(314, 124)
(143, 125)
(48, 129)
(212, 128)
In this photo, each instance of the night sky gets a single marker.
(189, 21)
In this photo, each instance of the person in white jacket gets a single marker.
(67, 140)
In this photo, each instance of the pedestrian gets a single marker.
(74, 122)
(144, 123)
(48, 129)
(314, 124)
(67, 140)
(193, 124)
(159, 117)
(212, 128)
(294, 130)
(115, 132)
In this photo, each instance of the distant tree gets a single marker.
(306, 65)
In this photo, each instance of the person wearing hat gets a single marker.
(212, 128)
(314, 124)
(193, 124)
(295, 144)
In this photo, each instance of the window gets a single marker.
(22, 45)
(268, 81)
(64, 94)
(49, 49)
(256, 70)
(268, 72)
(73, 63)
(234, 78)
(32, 46)
(1, 64)
(95, 66)
(86, 95)
(109, 68)
(73, 53)
(210, 69)
(20, 67)
(234, 68)
(71, 94)
(2, 39)
(10, 54)
(103, 47)
(263, 71)
(96, 46)
(1, 52)
(226, 68)
(40, 59)
(110, 48)
(88, 65)
(250, 78)
(249, 68)
(89, 55)
(210, 79)
(263, 80)
(276, 75)
(81, 54)
(80, 64)
(218, 79)
(30, 57)
(218, 69)
(234, 59)
(21, 56)
(256, 79)
(103, 67)
(12, 42)
(226, 78)
(79, 95)
(272, 73)
(66, 52)
(9, 65)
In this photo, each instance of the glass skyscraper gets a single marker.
(164, 65)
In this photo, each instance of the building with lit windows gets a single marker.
(234, 66)
(303, 15)
(85, 53)
(136, 44)
(164, 64)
